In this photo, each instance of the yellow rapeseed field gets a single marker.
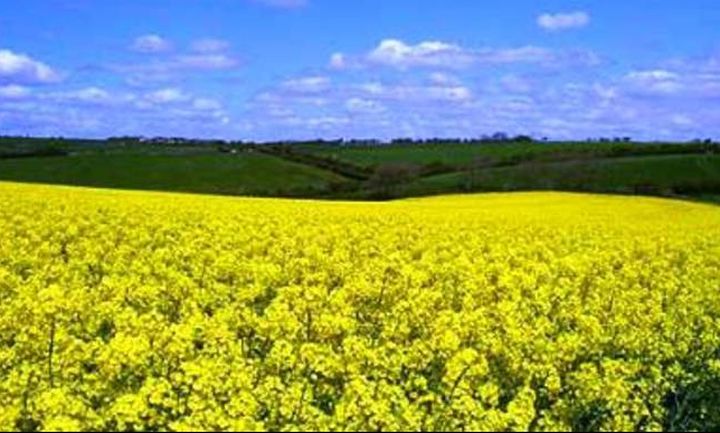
(538, 311)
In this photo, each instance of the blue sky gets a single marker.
(299, 69)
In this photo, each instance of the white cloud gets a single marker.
(526, 54)
(14, 91)
(453, 93)
(681, 120)
(515, 83)
(441, 102)
(563, 21)
(410, 92)
(206, 104)
(398, 54)
(157, 71)
(364, 106)
(653, 75)
(92, 95)
(707, 84)
(167, 96)
(697, 76)
(20, 68)
(204, 61)
(151, 44)
(444, 79)
(307, 84)
(276, 111)
(689, 82)
(280, 97)
(657, 81)
(337, 61)
(394, 52)
(605, 93)
(210, 46)
(87, 96)
(373, 88)
(537, 55)
(326, 121)
(98, 112)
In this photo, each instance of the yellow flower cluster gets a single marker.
(544, 311)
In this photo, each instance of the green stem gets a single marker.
(51, 350)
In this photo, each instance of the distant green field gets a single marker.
(325, 171)
(241, 174)
(463, 154)
(681, 174)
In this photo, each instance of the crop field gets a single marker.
(540, 311)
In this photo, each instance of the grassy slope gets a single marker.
(202, 169)
(459, 154)
(242, 174)
(677, 172)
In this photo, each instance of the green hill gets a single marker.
(238, 174)
(326, 171)
(694, 175)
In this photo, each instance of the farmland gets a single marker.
(199, 172)
(152, 311)
(499, 153)
(359, 216)
(684, 174)
(362, 172)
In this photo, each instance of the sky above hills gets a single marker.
(299, 69)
